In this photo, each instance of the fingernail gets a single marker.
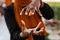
(22, 22)
(20, 13)
(32, 13)
(26, 13)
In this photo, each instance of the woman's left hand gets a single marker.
(31, 8)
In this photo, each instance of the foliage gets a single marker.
(56, 7)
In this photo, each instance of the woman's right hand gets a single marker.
(25, 32)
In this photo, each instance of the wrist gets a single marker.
(23, 35)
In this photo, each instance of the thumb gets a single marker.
(38, 25)
(23, 25)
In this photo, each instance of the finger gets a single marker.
(23, 22)
(32, 11)
(35, 8)
(37, 32)
(41, 30)
(22, 11)
(26, 12)
(29, 31)
(38, 26)
(23, 25)
(38, 11)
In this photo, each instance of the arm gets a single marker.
(11, 23)
(47, 11)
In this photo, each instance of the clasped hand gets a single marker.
(26, 32)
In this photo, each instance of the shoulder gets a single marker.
(9, 8)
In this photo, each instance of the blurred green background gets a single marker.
(56, 7)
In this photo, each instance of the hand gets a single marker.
(25, 32)
(31, 8)
(35, 29)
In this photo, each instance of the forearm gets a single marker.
(16, 35)
(11, 24)
(36, 3)
(47, 11)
